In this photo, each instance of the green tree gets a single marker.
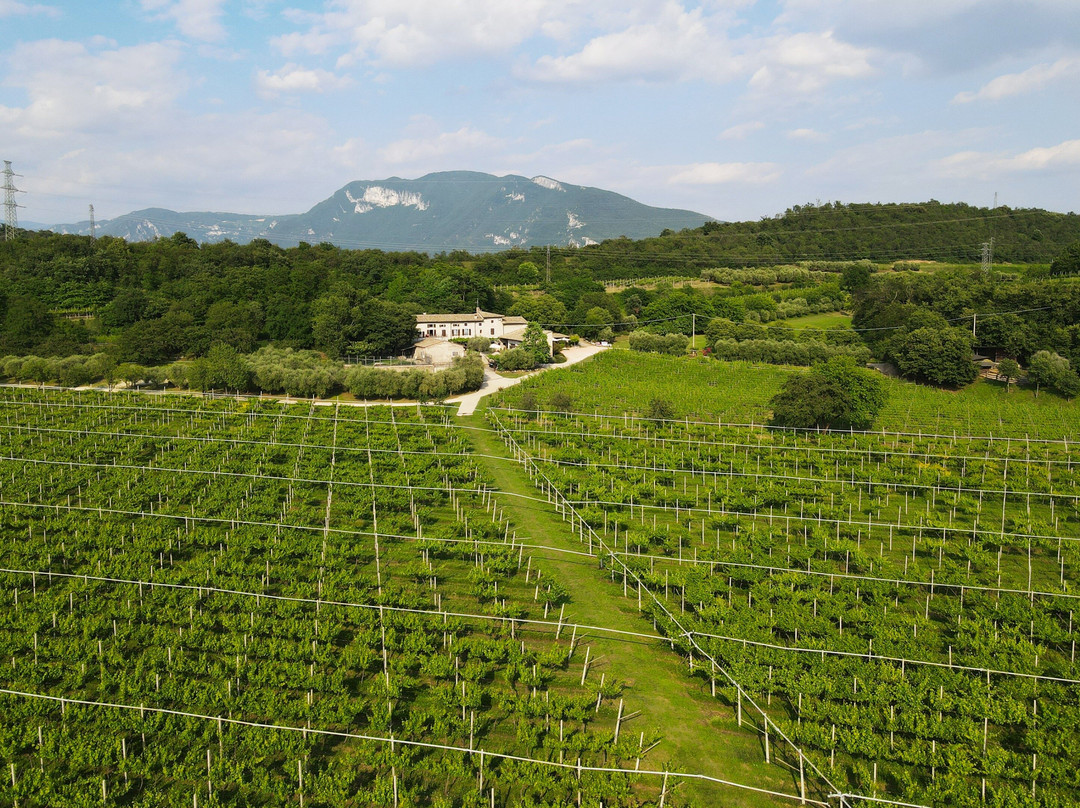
(529, 403)
(131, 373)
(856, 275)
(129, 306)
(541, 308)
(331, 317)
(381, 328)
(1068, 262)
(941, 356)
(26, 324)
(596, 319)
(103, 366)
(836, 394)
(535, 343)
(238, 325)
(1010, 369)
(1048, 369)
(221, 369)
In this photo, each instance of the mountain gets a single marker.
(453, 210)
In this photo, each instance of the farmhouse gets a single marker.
(504, 331)
(478, 324)
(435, 351)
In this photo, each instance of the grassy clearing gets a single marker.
(831, 319)
(619, 382)
(616, 382)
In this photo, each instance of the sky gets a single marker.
(733, 108)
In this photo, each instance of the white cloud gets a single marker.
(1063, 154)
(418, 32)
(944, 37)
(295, 79)
(806, 134)
(72, 89)
(11, 8)
(806, 62)
(725, 173)
(882, 14)
(1030, 80)
(196, 19)
(741, 130)
(973, 164)
(239, 161)
(465, 140)
(904, 163)
(104, 124)
(677, 45)
(577, 42)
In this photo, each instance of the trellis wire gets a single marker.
(404, 742)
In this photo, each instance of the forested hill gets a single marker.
(842, 232)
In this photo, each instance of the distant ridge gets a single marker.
(451, 210)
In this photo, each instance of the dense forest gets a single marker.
(152, 303)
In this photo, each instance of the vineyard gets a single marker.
(892, 612)
(243, 603)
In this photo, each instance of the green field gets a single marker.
(702, 389)
(831, 319)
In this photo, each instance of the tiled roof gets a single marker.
(448, 318)
(517, 335)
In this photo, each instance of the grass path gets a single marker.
(700, 734)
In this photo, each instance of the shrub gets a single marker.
(834, 394)
(661, 409)
(515, 359)
(561, 401)
(674, 344)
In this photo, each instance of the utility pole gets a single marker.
(693, 329)
(547, 266)
(93, 237)
(11, 217)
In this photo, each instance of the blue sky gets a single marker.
(734, 108)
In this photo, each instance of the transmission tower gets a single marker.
(988, 255)
(11, 217)
(92, 236)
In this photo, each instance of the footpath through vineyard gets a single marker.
(700, 734)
